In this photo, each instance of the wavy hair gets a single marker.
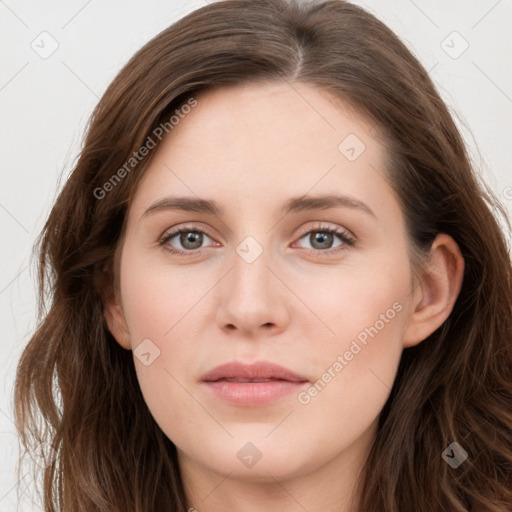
(77, 398)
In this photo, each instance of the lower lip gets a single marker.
(253, 394)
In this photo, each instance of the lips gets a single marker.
(252, 385)
(263, 371)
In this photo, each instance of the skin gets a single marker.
(250, 148)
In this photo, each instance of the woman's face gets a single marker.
(321, 287)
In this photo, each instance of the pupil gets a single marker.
(323, 239)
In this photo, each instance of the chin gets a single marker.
(257, 459)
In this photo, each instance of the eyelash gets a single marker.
(347, 240)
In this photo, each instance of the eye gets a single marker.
(321, 239)
(189, 238)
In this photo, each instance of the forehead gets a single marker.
(250, 117)
(259, 142)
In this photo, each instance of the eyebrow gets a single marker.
(295, 204)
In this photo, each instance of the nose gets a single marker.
(254, 300)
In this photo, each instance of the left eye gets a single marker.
(322, 239)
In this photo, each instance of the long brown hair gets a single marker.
(76, 390)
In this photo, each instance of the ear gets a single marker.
(114, 315)
(437, 291)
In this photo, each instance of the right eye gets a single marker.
(189, 237)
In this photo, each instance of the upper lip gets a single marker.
(257, 370)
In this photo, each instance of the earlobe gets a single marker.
(436, 293)
(114, 316)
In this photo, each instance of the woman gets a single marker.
(276, 283)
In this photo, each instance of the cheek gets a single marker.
(355, 375)
(161, 306)
(160, 301)
(357, 363)
(356, 371)
(363, 306)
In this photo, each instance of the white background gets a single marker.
(45, 104)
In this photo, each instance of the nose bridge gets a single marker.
(253, 296)
(251, 261)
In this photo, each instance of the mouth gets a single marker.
(252, 385)
(240, 379)
(261, 371)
